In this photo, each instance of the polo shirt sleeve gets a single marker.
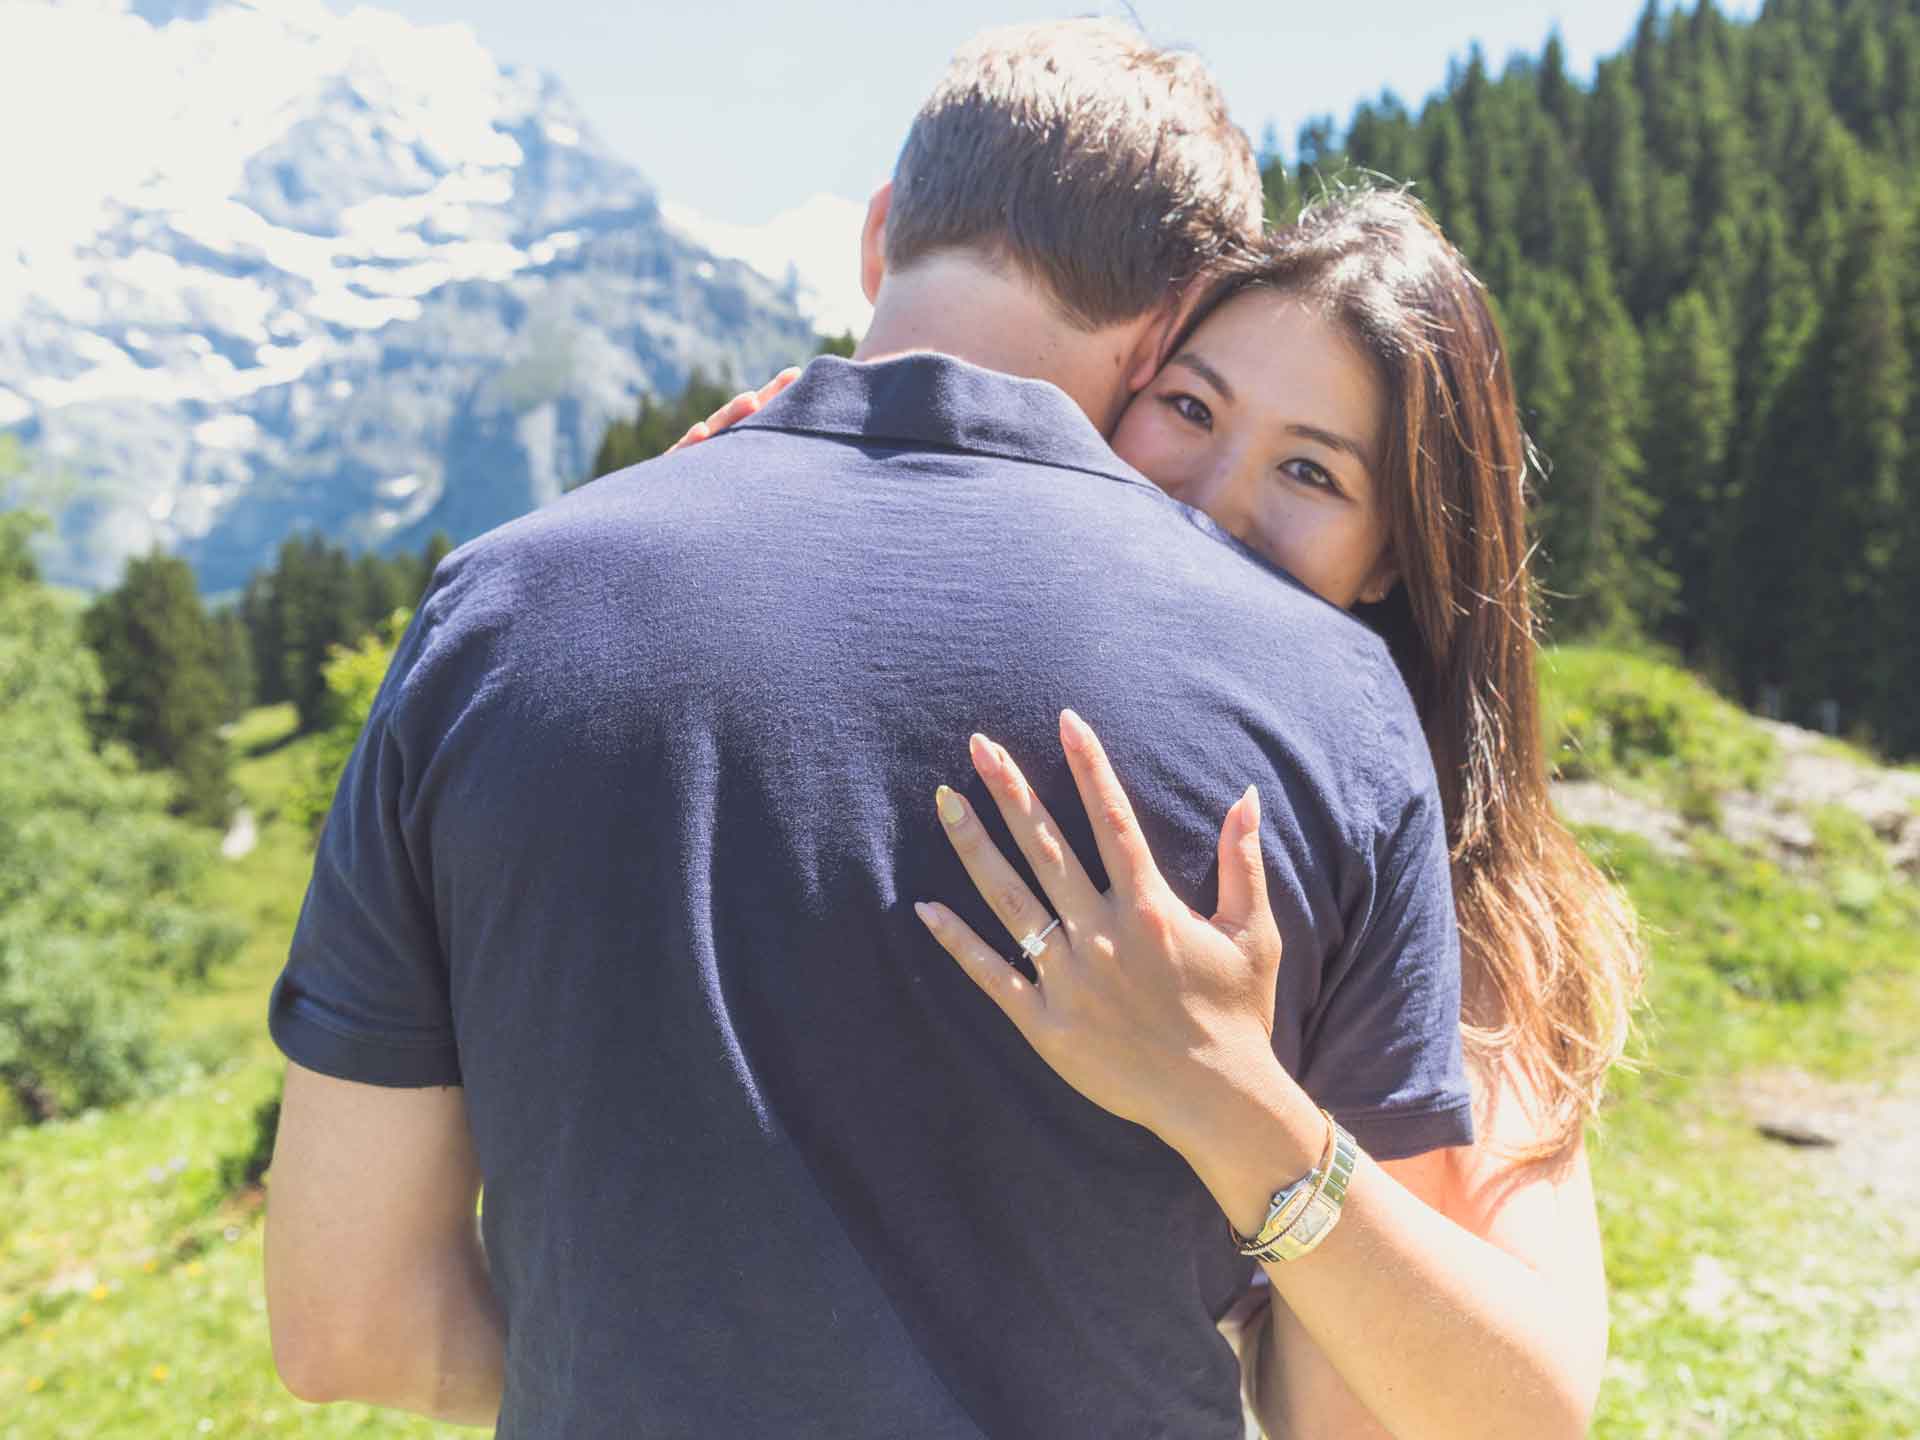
(364, 993)
(1382, 1048)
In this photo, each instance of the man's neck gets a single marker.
(956, 305)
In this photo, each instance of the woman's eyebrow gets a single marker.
(1333, 441)
(1206, 372)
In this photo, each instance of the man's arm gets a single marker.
(377, 1283)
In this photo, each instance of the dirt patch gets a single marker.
(1869, 1133)
(1594, 802)
(1813, 774)
(1862, 1180)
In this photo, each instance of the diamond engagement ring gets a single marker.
(1035, 943)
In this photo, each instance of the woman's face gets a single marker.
(1271, 420)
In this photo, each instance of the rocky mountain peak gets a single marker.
(339, 272)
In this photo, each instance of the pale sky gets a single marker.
(744, 110)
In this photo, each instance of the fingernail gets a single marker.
(1252, 801)
(1074, 726)
(925, 912)
(952, 810)
(981, 748)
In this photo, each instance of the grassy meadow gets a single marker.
(1758, 1289)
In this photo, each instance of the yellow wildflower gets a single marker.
(26, 1317)
(98, 1292)
(34, 1382)
(150, 1266)
(159, 1372)
(196, 1268)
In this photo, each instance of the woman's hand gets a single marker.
(1143, 1005)
(736, 409)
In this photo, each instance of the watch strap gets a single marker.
(1308, 1222)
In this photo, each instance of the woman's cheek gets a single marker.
(1130, 436)
(1287, 536)
(1145, 440)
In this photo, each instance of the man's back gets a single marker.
(648, 798)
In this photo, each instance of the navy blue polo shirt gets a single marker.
(629, 847)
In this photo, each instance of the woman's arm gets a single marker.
(1165, 1017)
(1525, 1241)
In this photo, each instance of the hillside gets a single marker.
(1778, 876)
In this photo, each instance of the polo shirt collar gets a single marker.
(932, 401)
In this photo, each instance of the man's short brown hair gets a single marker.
(1100, 165)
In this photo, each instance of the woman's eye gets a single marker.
(1191, 410)
(1308, 473)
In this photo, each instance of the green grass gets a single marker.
(263, 891)
(1689, 1193)
(1745, 1294)
(141, 1271)
(1685, 1181)
(131, 1292)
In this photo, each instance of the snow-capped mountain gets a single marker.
(274, 268)
(812, 249)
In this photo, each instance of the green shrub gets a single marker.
(101, 904)
(353, 675)
(1613, 715)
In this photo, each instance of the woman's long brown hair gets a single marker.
(1551, 956)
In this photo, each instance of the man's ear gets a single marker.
(873, 242)
(1157, 338)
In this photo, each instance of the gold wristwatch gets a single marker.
(1300, 1216)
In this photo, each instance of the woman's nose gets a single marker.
(1217, 491)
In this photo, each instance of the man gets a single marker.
(613, 909)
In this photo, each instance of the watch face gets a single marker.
(1308, 1228)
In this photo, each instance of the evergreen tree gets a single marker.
(1902, 660)
(657, 426)
(1776, 320)
(233, 647)
(166, 696)
(1383, 138)
(1863, 78)
(1616, 147)
(261, 617)
(1559, 96)
(1690, 404)
(1850, 590)
(1580, 359)
(1281, 196)
(312, 604)
(1494, 119)
(1448, 177)
(1903, 87)
(439, 545)
(380, 587)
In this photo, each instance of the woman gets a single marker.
(1342, 404)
